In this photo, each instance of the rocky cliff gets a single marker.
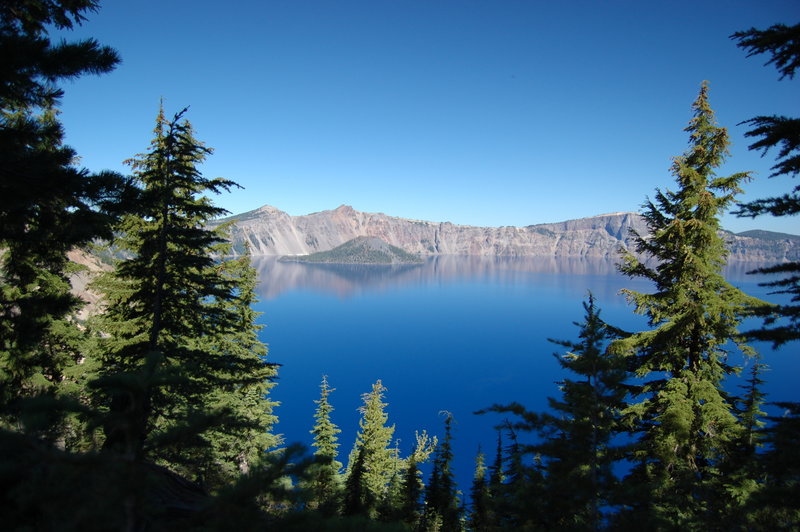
(270, 231)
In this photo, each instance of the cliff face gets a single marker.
(270, 231)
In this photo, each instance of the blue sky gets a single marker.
(502, 112)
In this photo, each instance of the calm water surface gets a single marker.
(454, 334)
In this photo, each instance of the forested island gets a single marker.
(155, 411)
(360, 250)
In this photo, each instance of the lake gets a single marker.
(454, 334)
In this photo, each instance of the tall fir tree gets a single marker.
(775, 506)
(479, 495)
(682, 418)
(441, 499)
(48, 207)
(373, 441)
(325, 475)
(179, 352)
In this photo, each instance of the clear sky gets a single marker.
(479, 112)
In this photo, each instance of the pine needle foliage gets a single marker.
(781, 44)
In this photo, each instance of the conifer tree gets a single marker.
(234, 448)
(683, 419)
(48, 205)
(441, 499)
(479, 495)
(741, 476)
(780, 43)
(373, 440)
(571, 477)
(325, 480)
(181, 363)
(776, 505)
(578, 448)
(357, 499)
(410, 510)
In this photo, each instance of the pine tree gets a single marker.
(479, 495)
(683, 418)
(577, 449)
(441, 499)
(572, 478)
(325, 483)
(181, 363)
(740, 471)
(780, 42)
(410, 509)
(243, 384)
(48, 205)
(373, 439)
(357, 499)
(776, 505)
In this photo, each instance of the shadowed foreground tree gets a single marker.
(575, 481)
(48, 205)
(683, 420)
(782, 44)
(775, 504)
(179, 350)
(441, 500)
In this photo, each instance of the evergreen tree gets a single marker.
(373, 439)
(180, 358)
(740, 472)
(479, 495)
(48, 205)
(234, 448)
(357, 499)
(572, 477)
(776, 505)
(780, 42)
(578, 448)
(441, 499)
(410, 509)
(683, 418)
(325, 482)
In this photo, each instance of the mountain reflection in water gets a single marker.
(346, 280)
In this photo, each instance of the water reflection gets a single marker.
(348, 280)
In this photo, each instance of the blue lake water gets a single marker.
(454, 334)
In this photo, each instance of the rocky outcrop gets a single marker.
(270, 231)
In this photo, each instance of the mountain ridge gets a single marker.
(271, 231)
